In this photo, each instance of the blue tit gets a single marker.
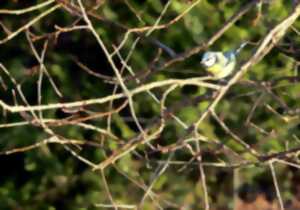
(221, 64)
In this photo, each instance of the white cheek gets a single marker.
(210, 62)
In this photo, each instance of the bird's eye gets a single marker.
(210, 61)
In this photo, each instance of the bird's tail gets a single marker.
(237, 51)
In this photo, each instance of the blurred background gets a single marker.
(57, 59)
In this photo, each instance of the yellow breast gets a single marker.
(220, 71)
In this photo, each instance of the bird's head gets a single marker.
(209, 59)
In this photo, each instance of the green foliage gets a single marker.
(51, 177)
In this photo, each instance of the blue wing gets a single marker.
(230, 55)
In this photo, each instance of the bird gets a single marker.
(221, 64)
